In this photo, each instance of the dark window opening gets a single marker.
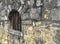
(15, 19)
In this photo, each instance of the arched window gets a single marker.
(15, 19)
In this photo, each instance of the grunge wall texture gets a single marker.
(40, 20)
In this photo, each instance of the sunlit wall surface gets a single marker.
(40, 21)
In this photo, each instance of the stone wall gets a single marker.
(35, 31)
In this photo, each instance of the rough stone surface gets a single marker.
(35, 32)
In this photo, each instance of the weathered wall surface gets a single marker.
(35, 31)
